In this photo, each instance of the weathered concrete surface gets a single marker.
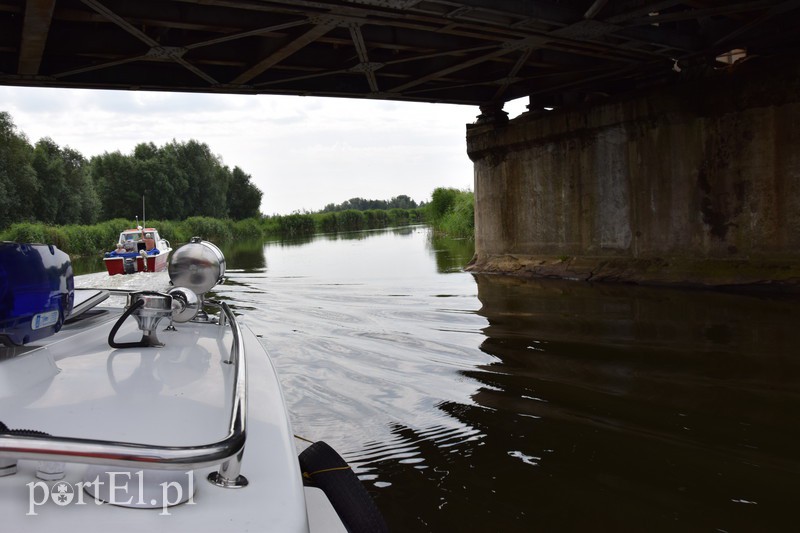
(697, 184)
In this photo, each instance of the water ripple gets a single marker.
(486, 403)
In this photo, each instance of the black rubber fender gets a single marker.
(326, 469)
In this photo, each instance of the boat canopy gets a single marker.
(138, 234)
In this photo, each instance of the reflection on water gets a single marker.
(87, 264)
(452, 254)
(643, 408)
(247, 255)
(486, 403)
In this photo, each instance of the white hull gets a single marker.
(179, 395)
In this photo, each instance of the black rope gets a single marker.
(128, 312)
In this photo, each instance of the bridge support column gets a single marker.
(698, 184)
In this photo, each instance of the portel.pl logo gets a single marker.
(126, 489)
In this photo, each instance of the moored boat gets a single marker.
(145, 410)
(138, 250)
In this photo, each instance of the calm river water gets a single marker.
(485, 403)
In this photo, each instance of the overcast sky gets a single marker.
(302, 152)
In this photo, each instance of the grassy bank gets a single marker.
(101, 237)
(452, 212)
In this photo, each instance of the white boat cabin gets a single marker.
(136, 240)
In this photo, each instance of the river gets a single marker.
(486, 403)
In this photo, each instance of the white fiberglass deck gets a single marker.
(179, 395)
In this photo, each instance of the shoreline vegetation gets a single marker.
(81, 205)
(87, 240)
(450, 213)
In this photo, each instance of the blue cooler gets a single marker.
(37, 291)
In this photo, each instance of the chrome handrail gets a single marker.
(226, 452)
(229, 475)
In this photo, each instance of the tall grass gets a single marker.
(328, 222)
(101, 237)
(351, 220)
(75, 240)
(296, 224)
(248, 229)
(452, 212)
(376, 218)
(212, 229)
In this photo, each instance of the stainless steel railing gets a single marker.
(227, 452)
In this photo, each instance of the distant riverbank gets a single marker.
(450, 212)
(94, 239)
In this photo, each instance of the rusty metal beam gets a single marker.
(594, 9)
(284, 52)
(36, 28)
(364, 65)
(523, 58)
(119, 21)
(155, 47)
(449, 70)
(459, 51)
(251, 33)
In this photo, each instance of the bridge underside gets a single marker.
(476, 52)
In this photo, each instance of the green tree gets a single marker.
(452, 211)
(161, 181)
(362, 204)
(19, 185)
(79, 204)
(244, 198)
(402, 202)
(207, 179)
(50, 169)
(114, 177)
(58, 186)
(442, 201)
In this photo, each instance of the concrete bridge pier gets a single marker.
(695, 184)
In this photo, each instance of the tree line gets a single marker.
(362, 204)
(46, 183)
(54, 194)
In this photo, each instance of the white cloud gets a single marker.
(302, 152)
